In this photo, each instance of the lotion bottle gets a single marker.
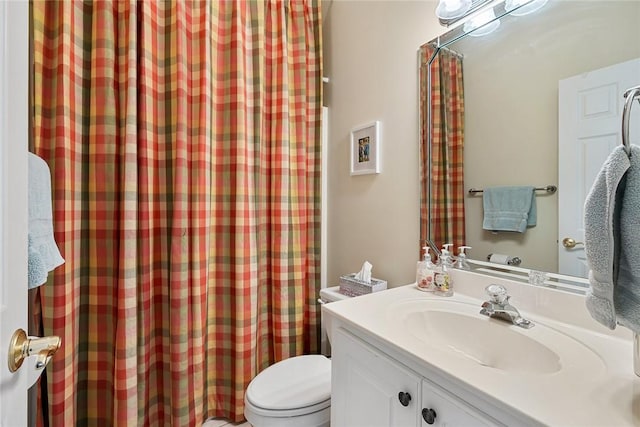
(461, 259)
(424, 272)
(441, 276)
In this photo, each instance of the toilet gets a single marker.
(294, 392)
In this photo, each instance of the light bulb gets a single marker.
(482, 24)
(451, 9)
(452, 5)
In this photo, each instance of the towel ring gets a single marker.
(630, 94)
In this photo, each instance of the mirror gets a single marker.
(511, 78)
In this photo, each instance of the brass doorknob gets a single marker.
(22, 347)
(570, 243)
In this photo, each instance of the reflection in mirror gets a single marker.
(442, 186)
(511, 124)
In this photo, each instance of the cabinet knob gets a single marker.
(429, 415)
(404, 398)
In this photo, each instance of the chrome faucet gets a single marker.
(498, 307)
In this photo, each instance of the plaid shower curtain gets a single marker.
(183, 139)
(444, 203)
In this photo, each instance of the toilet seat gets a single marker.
(287, 413)
(293, 387)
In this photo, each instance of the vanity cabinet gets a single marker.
(440, 408)
(371, 389)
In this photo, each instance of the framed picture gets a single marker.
(365, 147)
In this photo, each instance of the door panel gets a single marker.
(589, 122)
(14, 48)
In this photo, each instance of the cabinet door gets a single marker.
(366, 387)
(441, 409)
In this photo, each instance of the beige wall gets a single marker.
(370, 54)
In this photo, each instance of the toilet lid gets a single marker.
(292, 383)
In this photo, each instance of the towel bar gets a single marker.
(549, 189)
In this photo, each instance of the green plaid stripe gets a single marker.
(184, 143)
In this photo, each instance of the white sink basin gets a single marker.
(458, 329)
(485, 341)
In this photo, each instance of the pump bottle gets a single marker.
(461, 261)
(424, 272)
(441, 276)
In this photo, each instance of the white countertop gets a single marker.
(595, 386)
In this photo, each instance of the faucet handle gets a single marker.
(497, 293)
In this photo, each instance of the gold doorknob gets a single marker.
(570, 243)
(22, 347)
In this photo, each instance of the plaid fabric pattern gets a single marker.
(447, 148)
(183, 139)
(424, 56)
(266, 206)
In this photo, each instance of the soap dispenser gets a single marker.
(424, 272)
(461, 261)
(441, 276)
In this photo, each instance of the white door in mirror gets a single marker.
(589, 125)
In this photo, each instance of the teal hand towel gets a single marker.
(626, 295)
(43, 254)
(509, 208)
(626, 235)
(602, 236)
(612, 241)
(36, 271)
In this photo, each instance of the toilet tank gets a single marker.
(328, 295)
(332, 294)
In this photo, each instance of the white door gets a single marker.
(14, 48)
(589, 123)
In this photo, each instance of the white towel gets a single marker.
(44, 255)
(612, 241)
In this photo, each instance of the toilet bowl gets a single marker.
(294, 392)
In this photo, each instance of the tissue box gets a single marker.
(353, 287)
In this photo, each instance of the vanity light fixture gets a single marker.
(482, 24)
(523, 7)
